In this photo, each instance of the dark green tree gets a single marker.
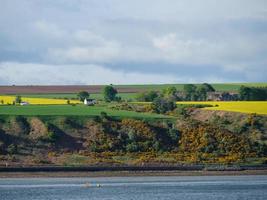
(170, 93)
(208, 87)
(253, 93)
(147, 96)
(82, 95)
(190, 92)
(109, 93)
(163, 105)
(18, 99)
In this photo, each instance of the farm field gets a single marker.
(94, 89)
(98, 96)
(37, 101)
(78, 110)
(217, 86)
(259, 107)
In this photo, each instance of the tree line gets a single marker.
(253, 93)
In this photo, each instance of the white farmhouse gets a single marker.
(89, 102)
(24, 103)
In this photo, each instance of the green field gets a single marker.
(132, 96)
(99, 96)
(78, 110)
(217, 86)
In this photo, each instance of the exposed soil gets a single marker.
(53, 89)
(205, 115)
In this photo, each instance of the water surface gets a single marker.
(135, 188)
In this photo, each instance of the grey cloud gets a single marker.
(32, 73)
(225, 39)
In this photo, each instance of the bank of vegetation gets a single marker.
(103, 140)
(155, 131)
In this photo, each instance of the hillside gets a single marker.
(79, 140)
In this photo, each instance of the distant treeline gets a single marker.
(205, 92)
(190, 92)
(253, 93)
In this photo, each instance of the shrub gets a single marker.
(174, 134)
(12, 149)
(147, 96)
(132, 147)
(51, 137)
(162, 105)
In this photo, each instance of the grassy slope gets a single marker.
(68, 110)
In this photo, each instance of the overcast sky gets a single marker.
(132, 41)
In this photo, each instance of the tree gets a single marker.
(253, 93)
(197, 93)
(202, 93)
(163, 105)
(170, 93)
(190, 92)
(18, 99)
(109, 93)
(147, 96)
(208, 87)
(82, 95)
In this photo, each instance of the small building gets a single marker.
(89, 102)
(24, 103)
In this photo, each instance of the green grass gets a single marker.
(217, 86)
(78, 110)
(132, 96)
(124, 96)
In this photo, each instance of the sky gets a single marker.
(47, 42)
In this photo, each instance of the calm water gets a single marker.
(139, 188)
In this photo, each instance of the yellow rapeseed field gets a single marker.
(259, 107)
(36, 101)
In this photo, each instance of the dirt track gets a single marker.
(59, 89)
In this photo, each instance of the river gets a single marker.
(135, 188)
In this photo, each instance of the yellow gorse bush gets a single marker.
(37, 101)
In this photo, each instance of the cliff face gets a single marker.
(85, 141)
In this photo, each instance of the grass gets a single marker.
(259, 107)
(99, 96)
(132, 96)
(217, 86)
(78, 110)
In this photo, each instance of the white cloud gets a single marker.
(49, 29)
(213, 36)
(30, 73)
(81, 54)
(182, 50)
(240, 50)
(76, 46)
